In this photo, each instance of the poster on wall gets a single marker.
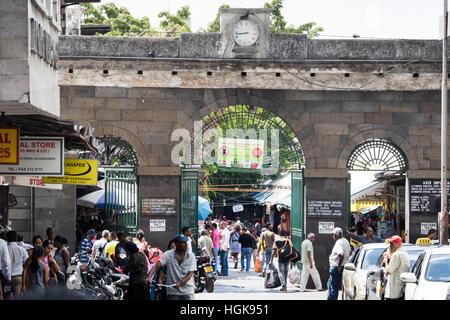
(326, 227)
(240, 153)
(157, 225)
(158, 206)
(426, 226)
(424, 195)
(39, 156)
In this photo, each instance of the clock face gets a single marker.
(245, 32)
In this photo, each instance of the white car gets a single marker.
(429, 278)
(354, 276)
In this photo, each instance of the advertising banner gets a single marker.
(77, 171)
(34, 181)
(38, 156)
(9, 146)
(240, 153)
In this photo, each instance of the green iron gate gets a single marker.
(348, 205)
(297, 218)
(189, 201)
(121, 199)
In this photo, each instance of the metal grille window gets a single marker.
(377, 155)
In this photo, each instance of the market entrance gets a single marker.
(376, 192)
(252, 172)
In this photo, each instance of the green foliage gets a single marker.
(214, 26)
(120, 19)
(175, 24)
(279, 25)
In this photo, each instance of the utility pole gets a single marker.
(443, 219)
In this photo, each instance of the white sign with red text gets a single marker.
(34, 181)
(39, 156)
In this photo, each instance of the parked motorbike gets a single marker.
(204, 275)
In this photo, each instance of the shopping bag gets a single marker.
(272, 279)
(257, 265)
(294, 275)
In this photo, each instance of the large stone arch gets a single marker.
(414, 160)
(127, 136)
(272, 100)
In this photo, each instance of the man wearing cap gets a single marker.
(86, 246)
(309, 267)
(338, 258)
(98, 249)
(180, 266)
(398, 264)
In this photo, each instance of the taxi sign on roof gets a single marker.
(423, 242)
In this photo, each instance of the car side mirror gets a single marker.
(349, 266)
(408, 277)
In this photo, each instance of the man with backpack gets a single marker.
(283, 261)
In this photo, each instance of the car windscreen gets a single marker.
(438, 268)
(370, 258)
(413, 255)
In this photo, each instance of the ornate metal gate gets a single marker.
(297, 218)
(189, 201)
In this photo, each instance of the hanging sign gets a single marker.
(9, 145)
(238, 208)
(33, 181)
(76, 171)
(38, 156)
(240, 153)
(326, 227)
(158, 225)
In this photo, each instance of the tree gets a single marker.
(214, 26)
(173, 25)
(279, 25)
(121, 21)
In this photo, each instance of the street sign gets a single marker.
(39, 156)
(9, 145)
(33, 181)
(238, 208)
(76, 171)
(157, 225)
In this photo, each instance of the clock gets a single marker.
(245, 32)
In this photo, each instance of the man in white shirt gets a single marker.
(5, 265)
(18, 256)
(186, 231)
(224, 245)
(206, 242)
(338, 258)
(99, 247)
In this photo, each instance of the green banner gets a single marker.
(240, 153)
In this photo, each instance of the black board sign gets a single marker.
(321, 208)
(424, 195)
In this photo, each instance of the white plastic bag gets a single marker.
(294, 275)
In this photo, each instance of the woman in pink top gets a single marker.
(215, 238)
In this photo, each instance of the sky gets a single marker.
(407, 19)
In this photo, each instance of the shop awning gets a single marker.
(369, 189)
(40, 125)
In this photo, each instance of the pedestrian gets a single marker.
(245, 240)
(111, 246)
(54, 268)
(255, 241)
(283, 263)
(268, 239)
(235, 246)
(205, 244)
(370, 237)
(308, 264)
(258, 227)
(5, 265)
(224, 246)
(62, 256)
(36, 274)
(99, 247)
(18, 256)
(141, 243)
(86, 246)
(399, 263)
(186, 231)
(120, 254)
(20, 242)
(215, 240)
(50, 233)
(338, 258)
(37, 241)
(432, 235)
(137, 269)
(180, 266)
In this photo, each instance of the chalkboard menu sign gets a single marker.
(423, 195)
(159, 206)
(323, 208)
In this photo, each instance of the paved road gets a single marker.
(241, 285)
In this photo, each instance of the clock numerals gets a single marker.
(245, 33)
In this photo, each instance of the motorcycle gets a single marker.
(204, 275)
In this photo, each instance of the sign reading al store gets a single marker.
(9, 145)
